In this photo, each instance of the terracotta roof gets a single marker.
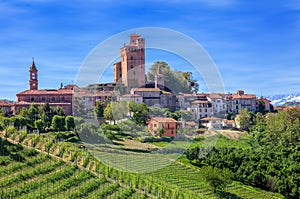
(4, 103)
(39, 103)
(163, 119)
(210, 118)
(47, 92)
(229, 121)
(214, 96)
(245, 96)
(146, 89)
(200, 102)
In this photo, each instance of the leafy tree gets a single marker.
(186, 115)
(58, 123)
(261, 105)
(259, 118)
(70, 123)
(155, 111)
(79, 108)
(58, 111)
(99, 109)
(108, 112)
(243, 119)
(33, 114)
(160, 131)
(39, 125)
(141, 115)
(175, 81)
(132, 107)
(217, 178)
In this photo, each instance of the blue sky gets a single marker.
(255, 44)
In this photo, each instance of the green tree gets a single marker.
(261, 105)
(217, 178)
(39, 125)
(33, 114)
(99, 109)
(176, 81)
(58, 123)
(259, 118)
(243, 119)
(141, 115)
(70, 123)
(108, 112)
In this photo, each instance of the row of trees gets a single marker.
(43, 118)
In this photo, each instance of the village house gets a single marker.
(6, 107)
(167, 125)
(241, 100)
(201, 109)
(218, 104)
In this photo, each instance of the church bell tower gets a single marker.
(33, 79)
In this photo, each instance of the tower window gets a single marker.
(33, 75)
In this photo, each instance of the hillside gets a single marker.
(71, 172)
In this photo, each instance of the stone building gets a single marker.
(130, 71)
(55, 97)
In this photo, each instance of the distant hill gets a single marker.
(285, 99)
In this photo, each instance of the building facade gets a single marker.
(130, 71)
(168, 125)
(55, 97)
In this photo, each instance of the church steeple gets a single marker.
(33, 79)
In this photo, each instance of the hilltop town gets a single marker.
(130, 74)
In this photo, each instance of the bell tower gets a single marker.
(33, 79)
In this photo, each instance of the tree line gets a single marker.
(271, 164)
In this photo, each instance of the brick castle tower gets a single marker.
(33, 79)
(130, 71)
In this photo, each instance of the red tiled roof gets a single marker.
(4, 103)
(211, 118)
(214, 96)
(200, 102)
(47, 92)
(163, 119)
(38, 103)
(245, 96)
(229, 121)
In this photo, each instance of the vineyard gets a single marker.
(38, 166)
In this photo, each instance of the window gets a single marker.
(32, 99)
(131, 57)
(53, 99)
(33, 75)
(131, 66)
(205, 110)
(172, 132)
